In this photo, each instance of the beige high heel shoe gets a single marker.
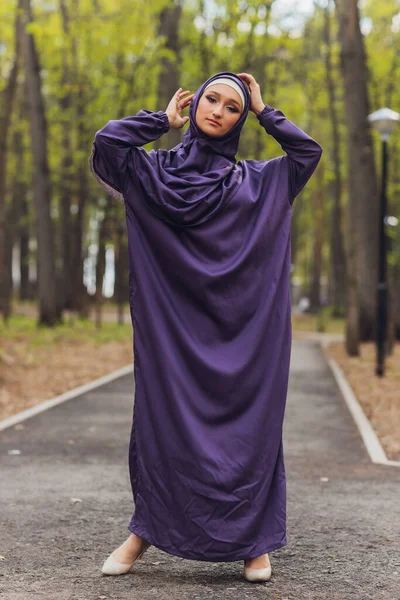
(258, 575)
(114, 567)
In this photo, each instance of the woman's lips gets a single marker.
(213, 122)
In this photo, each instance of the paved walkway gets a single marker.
(66, 502)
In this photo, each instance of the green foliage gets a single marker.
(106, 58)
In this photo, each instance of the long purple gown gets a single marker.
(210, 307)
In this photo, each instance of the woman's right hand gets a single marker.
(178, 102)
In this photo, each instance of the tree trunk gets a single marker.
(337, 251)
(7, 97)
(121, 271)
(12, 217)
(168, 81)
(49, 313)
(80, 299)
(363, 196)
(20, 190)
(394, 251)
(66, 170)
(318, 194)
(352, 333)
(204, 46)
(8, 254)
(25, 292)
(254, 63)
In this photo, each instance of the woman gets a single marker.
(209, 249)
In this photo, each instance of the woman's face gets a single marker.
(218, 110)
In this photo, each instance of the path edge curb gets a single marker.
(371, 441)
(69, 395)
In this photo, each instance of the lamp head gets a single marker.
(384, 121)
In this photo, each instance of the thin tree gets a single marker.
(65, 192)
(49, 313)
(337, 250)
(7, 97)
(168, 81)
(363, 196)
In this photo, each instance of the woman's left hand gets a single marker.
(257, 104)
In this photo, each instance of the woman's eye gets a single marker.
(230, 108)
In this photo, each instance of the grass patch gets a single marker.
(25, 329)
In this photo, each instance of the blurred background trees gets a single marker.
(69, 66)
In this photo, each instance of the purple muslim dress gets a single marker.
(209, 253)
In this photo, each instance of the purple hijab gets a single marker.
(189, 184)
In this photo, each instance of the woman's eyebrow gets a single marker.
(229, 99)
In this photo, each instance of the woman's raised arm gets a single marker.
(302, 151)
(113, 144)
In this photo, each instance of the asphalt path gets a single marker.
(65, 503)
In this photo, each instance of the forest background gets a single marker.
(82, 63)
(69, 66)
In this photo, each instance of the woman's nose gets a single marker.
(217, 110)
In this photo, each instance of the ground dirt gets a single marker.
(378, 396)
(30, 375)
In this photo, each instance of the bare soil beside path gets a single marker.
(36, 365)
(378, 396)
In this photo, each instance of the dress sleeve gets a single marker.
(112, 146)
(303, 153)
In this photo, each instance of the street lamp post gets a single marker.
(384, 121)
